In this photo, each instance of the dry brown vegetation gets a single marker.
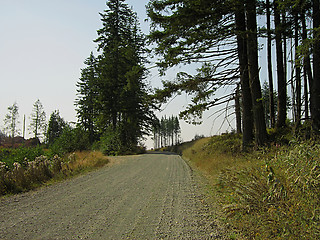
(31, 174)
(270, 193)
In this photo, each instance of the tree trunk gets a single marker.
(271, 97)
(284, 41)
(24, 126)
(257, 106)
(307, 56)
(238, 110)
(247, 116)
(315, 88)
(282, 86)
(298, 74)
(307, 73)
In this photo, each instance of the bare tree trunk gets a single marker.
(284, 41)
(271, 97)
(315, 88)
(24, 126)
(282, 86)
(257, 106)
(247, 115)
(306, 69)
(238, 110)
(307, 57)
(306, 93)
(298, 74)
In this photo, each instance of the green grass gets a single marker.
(270, 193)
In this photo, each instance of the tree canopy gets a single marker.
(112, 93)
(224, 37)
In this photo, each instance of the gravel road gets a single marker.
(151, 196)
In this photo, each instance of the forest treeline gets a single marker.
(115, 105)
(223, 36)
(166, 132)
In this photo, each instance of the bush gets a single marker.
(70, 140)
(20, 155)
(22, 177)
(226, 144)
(30, 174)
(110, 142)
(270, 193)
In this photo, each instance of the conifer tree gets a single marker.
(38, 119)
(11, 121)
(253, 67)
(87, 92)
(166, 132)
(56, 125)
(113, 96)
(209, 31)
(282, 86)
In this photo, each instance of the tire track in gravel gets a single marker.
(151, 196)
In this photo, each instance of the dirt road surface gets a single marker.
(151, 196)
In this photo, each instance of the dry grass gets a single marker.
(213, 155)
(34, 173)
(85, 160)
(273, 193)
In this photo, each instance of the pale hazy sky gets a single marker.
(43, 46)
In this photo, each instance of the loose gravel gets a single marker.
(151, 196)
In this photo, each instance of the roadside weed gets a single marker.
(25, 175)
(271, 193)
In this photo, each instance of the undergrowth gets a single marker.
(19, 174)
(270, 193)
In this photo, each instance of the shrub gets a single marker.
(23, 177)
(226, 144)
(110, 142)
(278, 198)
(20, 155)
(70, 140)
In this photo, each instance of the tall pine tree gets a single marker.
(87, 92)
(112, 87)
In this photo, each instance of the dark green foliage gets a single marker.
(207, 32)
(197, 137)
(187, 31)
(20, 155)
(195, 31)
(55, 127)
(110, 143)
(112, 94)
(70, 140)
(87, 88)
(63, 138)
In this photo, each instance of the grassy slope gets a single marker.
(272, 193)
